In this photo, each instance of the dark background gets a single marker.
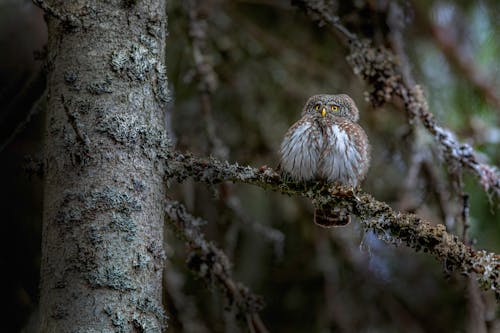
(263, 59)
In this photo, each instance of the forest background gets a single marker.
(239, 73)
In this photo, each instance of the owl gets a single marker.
(327, 145)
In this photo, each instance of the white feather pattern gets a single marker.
(308, 154)
(340, 160)
(299, 158)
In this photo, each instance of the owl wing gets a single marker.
(300, 150)
(364, 148)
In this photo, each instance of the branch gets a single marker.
(380, 68)
(211, 264)
(378, 217)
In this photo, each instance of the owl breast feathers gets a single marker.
(326, 143)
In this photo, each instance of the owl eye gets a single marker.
(335, 108)
(316, 107)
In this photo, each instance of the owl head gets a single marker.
(331, 106)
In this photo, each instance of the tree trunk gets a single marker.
(102, 248)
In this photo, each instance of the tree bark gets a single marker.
(102, 247)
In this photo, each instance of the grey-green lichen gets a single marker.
(136, 61)
(77, 204)
(138, 184)
(132, 132)
(94, 236)
(139, 62)
(150, 313)
(376, 216)
(118, 319)
(124, 224)
(110, 277)
(149, 318)
(141, 261)
(156, 28)
(161, 90)
(150, 42)
(487, 268)
(76, 207)
(119, 60)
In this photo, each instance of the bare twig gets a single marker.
(376, 216)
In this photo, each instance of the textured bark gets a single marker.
(102, 253)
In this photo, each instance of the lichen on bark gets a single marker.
(102, 257)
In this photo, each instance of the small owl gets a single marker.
(327, 144)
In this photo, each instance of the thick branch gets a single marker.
(376, 216)
(380, 68)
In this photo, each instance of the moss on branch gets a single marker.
(376, 216)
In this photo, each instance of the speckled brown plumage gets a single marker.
(327, 144)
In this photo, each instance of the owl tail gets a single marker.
(332, 217)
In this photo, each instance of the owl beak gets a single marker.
(323, 112)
